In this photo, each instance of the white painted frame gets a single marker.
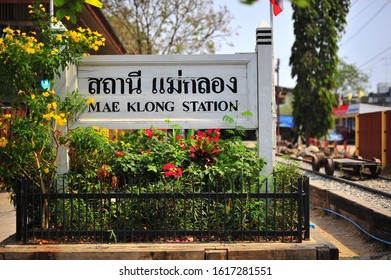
(242, 66)
(259, 89)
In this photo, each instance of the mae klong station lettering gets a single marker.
(181, 85)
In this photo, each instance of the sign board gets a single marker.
(194, 91)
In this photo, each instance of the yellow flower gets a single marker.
(48, 116)
(104, 132)
(30, 50)
(52, 91)
(54, 51)
(46, 170)
(49, 106)
(54, 105)
(90, 101)
(46, 94)
(68, 18)
(32, 96)
(59, 37)
(3, 142)
(7, 116)
(61, 122)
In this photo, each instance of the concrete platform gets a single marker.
(308, 250)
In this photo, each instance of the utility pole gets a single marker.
(278, 104)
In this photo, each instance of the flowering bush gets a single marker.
(30, 142)
(160, 156)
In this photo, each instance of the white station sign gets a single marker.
(194, 91)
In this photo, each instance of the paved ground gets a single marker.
(7, 216)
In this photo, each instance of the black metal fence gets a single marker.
(134, 211)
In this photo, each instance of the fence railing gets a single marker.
(134, 211)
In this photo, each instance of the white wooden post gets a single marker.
(266, 98)
(67, 82)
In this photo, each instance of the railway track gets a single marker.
(363, 201)
(379, 185)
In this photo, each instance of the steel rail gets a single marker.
(345, 181)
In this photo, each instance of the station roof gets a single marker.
(359, 108)
(14, 13)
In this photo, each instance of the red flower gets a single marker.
(172, 171)
(169, 173)
(178, 172)
(177, 137)
(119, 153)
(149, 133)
(168, 166)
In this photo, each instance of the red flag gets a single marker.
(277, 6)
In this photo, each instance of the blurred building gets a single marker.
(15, 14)
(345, 118)
(383, 95)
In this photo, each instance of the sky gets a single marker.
(366, 42)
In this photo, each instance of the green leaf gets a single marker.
(152, 168)
(61, 13)
(175, 126)
(73, 18)
(228, 119)
(247, 114)
(59, 3)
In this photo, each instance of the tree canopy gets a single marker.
(350, 79)
(314, 61)
(168, 26)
